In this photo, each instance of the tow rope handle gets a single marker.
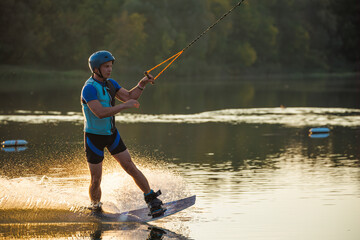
(174, 57)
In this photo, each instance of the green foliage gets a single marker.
(126, 39)
(246, 54)
(292, 35)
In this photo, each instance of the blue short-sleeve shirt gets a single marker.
(96, 90)
(89, 92)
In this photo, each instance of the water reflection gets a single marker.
(198, 95)
(255, 181)
(133, 231)
(303, 194)
(13, 149)
(86, 230)
(256, 172)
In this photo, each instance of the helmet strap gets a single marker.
(99, 74)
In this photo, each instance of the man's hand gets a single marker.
(103, 112)
(147, 79)
(132, 103)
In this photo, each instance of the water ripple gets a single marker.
(292, 117)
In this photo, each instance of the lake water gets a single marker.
(241, 145)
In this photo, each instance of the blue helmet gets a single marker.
(98, 58)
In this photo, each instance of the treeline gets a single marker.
(259, 36)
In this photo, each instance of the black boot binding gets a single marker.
(96, 209)
(154, 204)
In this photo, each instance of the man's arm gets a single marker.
(103, 112)
(125, 95)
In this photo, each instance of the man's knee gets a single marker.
(129, 166)
(126, 162)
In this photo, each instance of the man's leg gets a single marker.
(94, 189)
(154, 204)
(128, 165)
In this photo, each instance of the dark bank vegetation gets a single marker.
(267, 37)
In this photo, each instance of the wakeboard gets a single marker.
(142, 215)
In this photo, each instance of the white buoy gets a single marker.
(9, 143)
(319, 130)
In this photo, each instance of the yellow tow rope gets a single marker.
(174, 57)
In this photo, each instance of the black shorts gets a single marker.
(95, 144)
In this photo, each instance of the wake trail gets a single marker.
(54, 199)
(289, 117)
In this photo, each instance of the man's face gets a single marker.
(106, 69)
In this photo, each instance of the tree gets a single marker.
(126, 38)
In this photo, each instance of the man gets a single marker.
(98, 106)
